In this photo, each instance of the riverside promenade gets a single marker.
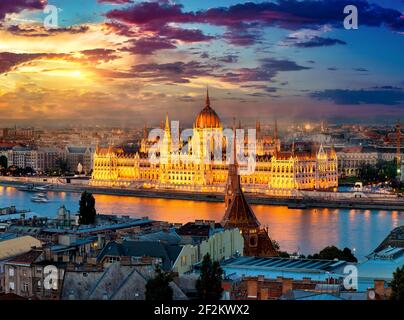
(305, 199)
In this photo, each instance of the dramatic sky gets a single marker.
(128, 62)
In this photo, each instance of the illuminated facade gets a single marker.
(276, 172)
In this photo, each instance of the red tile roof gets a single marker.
(11, 296)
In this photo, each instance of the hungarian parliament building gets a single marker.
(276, 172)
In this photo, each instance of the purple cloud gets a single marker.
(40, 31)
(359, 97)
(151, 14)
(268, 69)
(115, 1)
(315, 42)
(9, 60)
(185, 35)
(146, 46)
(175, 72)
(15, 6)
(244, 21)
(241, 38)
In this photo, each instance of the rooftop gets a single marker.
(284, 263)
(274, 267)
(7, 236)
(169, 236)
(198, 228)
(79, 150)
(129, 248)
(26, 258)
(379, 266)
(104, 227)
(15, 246)
(73, 245)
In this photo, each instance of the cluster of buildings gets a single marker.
(275, 171)
(48, 159)
(43, 258)
(114, 260)
(308, 157)
(57, 149)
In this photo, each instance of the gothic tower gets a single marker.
(238, 214)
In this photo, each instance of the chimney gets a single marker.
(48, 253)
(379, 286)
(287, 285)
(264, 293)
(252, 288)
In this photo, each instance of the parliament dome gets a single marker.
(207, 118)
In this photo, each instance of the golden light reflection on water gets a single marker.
(307, 230)
(285, 225)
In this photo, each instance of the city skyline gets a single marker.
(124, 63)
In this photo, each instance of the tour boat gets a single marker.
(40, 198)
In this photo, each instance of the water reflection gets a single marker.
(307, 230)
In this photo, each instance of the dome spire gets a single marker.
(207, 102)
(207, 118)
(167, 126)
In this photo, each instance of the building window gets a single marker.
(11, 272)
(11, 286)
(25, 287)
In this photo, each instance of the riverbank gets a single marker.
(322, 200)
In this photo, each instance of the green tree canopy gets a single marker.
(209, 284)
(3, 162)
(332, 252)
(397, 284)
(87, 212)
(381, 172)
(158, 288)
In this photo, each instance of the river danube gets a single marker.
(303, 230)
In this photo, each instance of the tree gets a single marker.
(28, 170)
(397, 284)
(3, 162)
(332, 252)
(62, 165)
(87, 212)
(158, 288)
(387, 170)
(283, 254)
(276, 245)
(383, 171)
(209, 284)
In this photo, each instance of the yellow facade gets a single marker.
(277, 173)
(221, 245)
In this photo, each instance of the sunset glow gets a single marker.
(276, 63)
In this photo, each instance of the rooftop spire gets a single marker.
(207, 102)
(234, 145)
(276, 130)
(238, 214)
(167, 127)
